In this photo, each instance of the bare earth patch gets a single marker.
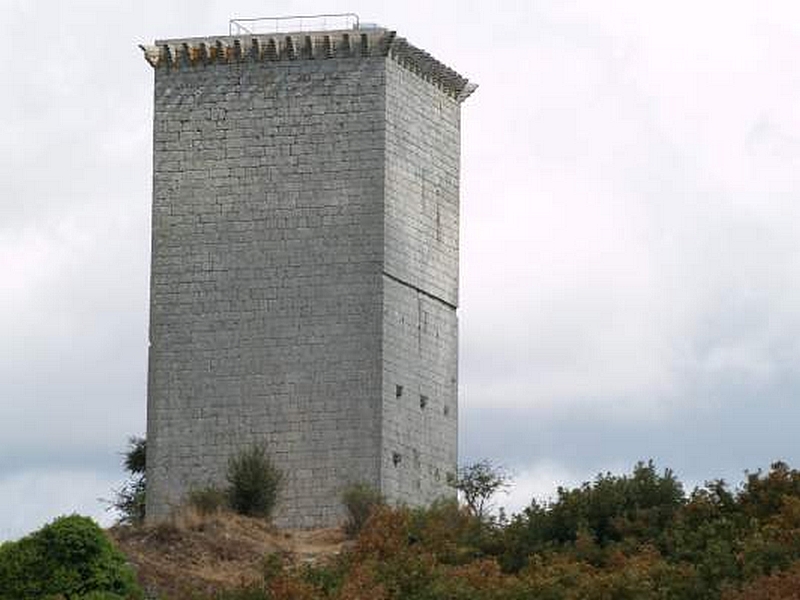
(203, 554)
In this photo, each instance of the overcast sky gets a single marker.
(629, 247)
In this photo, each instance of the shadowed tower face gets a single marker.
(304, 279)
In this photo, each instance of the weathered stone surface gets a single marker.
(304, 265)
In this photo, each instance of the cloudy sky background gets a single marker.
(629, 235)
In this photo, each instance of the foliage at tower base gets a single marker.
(130, 499)
(633, 536)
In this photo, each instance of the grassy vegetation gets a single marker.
(254, 485)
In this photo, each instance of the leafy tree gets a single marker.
(610, 511)
(136, 456)
(71, 558)
(764, 495)
(478, 483)
(783, 585)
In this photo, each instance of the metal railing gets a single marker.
(295, 23)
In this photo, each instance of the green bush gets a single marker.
(130, 500)
(255, 483)
(71, 557)
(100, 596)
(208, 500)
(359, 500)
(325, 576)
(454, 534)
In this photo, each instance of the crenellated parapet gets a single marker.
(325, 45)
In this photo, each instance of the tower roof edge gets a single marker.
(330, 44)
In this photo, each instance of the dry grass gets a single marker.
(201, 554)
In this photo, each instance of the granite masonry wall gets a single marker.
(304, 265)
(420, 328)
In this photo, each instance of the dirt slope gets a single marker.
(194, 554)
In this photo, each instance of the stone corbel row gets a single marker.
(208, 51)
(428, 68)
(257, 49)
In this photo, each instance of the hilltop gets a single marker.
(630, 536)
(195, 554)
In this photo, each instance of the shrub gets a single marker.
(255, 483)
(208, 500)
(360, 500)
(452, 533)
(70, 556)
(326, 576)
(778, 585)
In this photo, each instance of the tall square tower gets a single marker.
(304, 280)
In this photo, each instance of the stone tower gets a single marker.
(304, 279)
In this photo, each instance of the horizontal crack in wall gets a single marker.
(420, 290)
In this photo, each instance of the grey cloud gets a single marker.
(727, 429)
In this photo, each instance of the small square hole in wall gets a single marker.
(396, 458)
(423, 401)
(446, 410)
(398, 391)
